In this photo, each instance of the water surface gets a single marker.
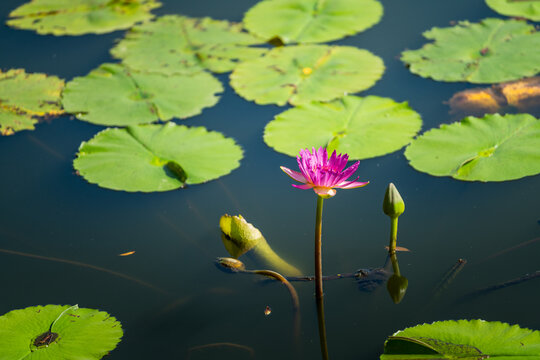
(46, 209)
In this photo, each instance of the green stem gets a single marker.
(318, 278)
(395, 265)
(318, 248)
(393, 235)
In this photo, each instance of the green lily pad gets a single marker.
(114, 95)
(311, 21)
(181, 45)
(305, 73)
(491, 51)
(11, 122)
(463, 339)
(156, 157)
(24, 96)
(529, 9)
(493, 148)
(58, 332)
(77, 17)
(361, 127)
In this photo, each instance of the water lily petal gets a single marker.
(351, 184)
(350, 170)
(303, 186)
(295, 175)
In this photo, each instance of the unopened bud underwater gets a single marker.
(393, 204)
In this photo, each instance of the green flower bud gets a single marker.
(393, 204)
(397, 286)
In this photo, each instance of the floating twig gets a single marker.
(489, 289)
(448, 277)
(525, 243)
(89, 266)
(221, 344)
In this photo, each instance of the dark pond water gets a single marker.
(47, 210)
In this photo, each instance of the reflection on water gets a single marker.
(46, 210)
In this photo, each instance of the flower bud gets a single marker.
(393, 204)
(397, 286)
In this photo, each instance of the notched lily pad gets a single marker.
(463, 339)
(77, 17)
(491, 51)
(311, 21)
(156, 157)
(529, 9)
(182, 45)
(58, 332)
(493, 148)
(304, 73)
(361, 127)
(24, 97)
(114, 95)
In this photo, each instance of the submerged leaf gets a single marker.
(181, 45)
(361, 127)
(113, 95)
(24, 96)
(135, 158)
(493, 148)
(529, 9)
(76, 333)
(491, 51)
(523, 95)
(77, 17)
(311, 21)
(301, 74)
(463, 339)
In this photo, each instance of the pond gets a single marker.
(180, 300)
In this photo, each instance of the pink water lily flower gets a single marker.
(323, 174)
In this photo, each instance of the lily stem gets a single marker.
(318, 278)
(393, 235)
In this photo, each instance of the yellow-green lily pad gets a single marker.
(492, 148)
(528, 9)
(154, 157)
(304, 73)
(115, 95)
(490, 51)
(25, 97)
(77, 17)
(311, 21)
(361, 127)
(181, 45)
(463, 339)
(58, 332)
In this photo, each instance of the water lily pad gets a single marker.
(77, 17)
(529, 9)
(463, 339)
(311, 21)
(305, 73)
(493, 148)
(156, 157)
(361, 127)
(11, 122)
(491, 51)
(24, 96)
(181, 45)
(114, 95)
(58, 332)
